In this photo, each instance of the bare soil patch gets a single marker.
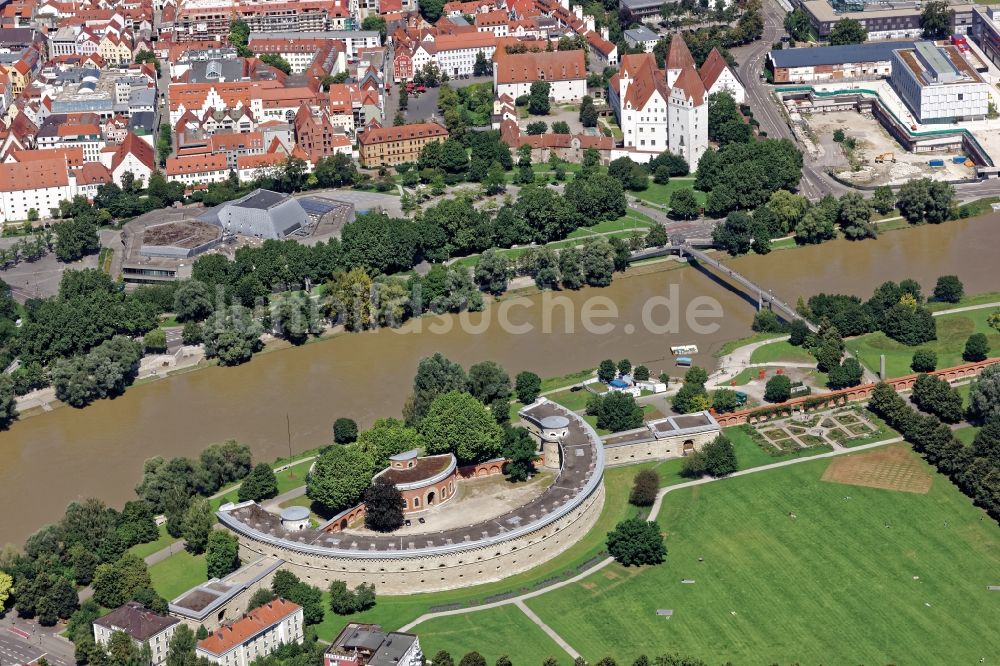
(893, 468)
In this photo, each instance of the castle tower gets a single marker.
(678, 59)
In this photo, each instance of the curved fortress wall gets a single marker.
(478, 553)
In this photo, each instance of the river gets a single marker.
(49, 460)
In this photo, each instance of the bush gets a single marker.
(924, 360)
(778, 389)
(645, 488)
(977, 348)
(949, 289)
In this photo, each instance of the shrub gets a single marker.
(949, 289)
(977, 348)
(778, 389)
(924, 360)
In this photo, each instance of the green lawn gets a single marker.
(731, 346)
(660, 194)
(572, 400)
(550, 383)
(144, 550)
(293, 477)
(492, 633)
(966, 434)
(178, 574)
(952, 332)
(832, 586)
(781, 352)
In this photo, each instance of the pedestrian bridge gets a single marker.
(689, 249)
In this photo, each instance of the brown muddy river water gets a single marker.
(49, 460)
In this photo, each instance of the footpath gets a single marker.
(519, 601)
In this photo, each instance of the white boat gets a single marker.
(684, 349)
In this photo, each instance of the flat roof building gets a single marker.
(871, 60)
(938, 84)
(888, 20)
(367, 645)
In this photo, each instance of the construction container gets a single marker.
(959, 160)
(935, 163)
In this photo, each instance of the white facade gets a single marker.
(688, 126)
(455, 62)
(728, 82)
(158, 643)
(15, 205)
(645, 129)
(934, 89)
(199, 177)
(560, 91)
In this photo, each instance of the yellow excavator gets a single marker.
(891, 157)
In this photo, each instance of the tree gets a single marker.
(488, 381)
(473, 659)
(624, 367)
(734, 234)
(690, 398)
(925, 200)
(765, 321)
(197, 524)
(937, 397)
(107, 370)
(482, 66)
(222, 556)
(719, 457)
(596, 197)
(984, 396)
(6, 586)
(588, 112)
(636, 542)
(560, 127)
(909, 324)
(527, 386)
(232, 335)
(492, 271)
(192, 300)
(537, 127)
(155, 341)
(519, 449)
(538, 98)
(854, 217)
(725, 400)
(924, 360)
(276, 61)
(607, 370)
(618, 411)
(180, 651)
(935, 20)
(977, 348)
(431, 10)
(848, 373)
(116, 582)
(435, 375)
(645, 488)
(778, 389)
(949, 289)
(814, 227)
(883, 199)
(384, 506)
(684, 205)
(657, 236)
(458, 423)
(848, 31)
(641, 373)
(375, 22)
(260, 484)
(342, 600)
(345, 430)
(798, 25)
(442, 658)
(8, 404)
(339, 478)
(76, 238)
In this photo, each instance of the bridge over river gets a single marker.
(690, 249)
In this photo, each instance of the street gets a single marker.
(25, 642)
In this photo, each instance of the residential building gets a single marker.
(257, 634)
(354, 40)
(367, 645)
(456, 54)
(564, 71)
(220, 600)
(318, 137)
(197, 169)
(641, 36)
(602, 50)
(386, 146)
(717, 76)
(849, 62)
(496, 22)
(938, 84)
(133, 156)
(143, 626)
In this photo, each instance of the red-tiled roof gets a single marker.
(38, 174)
(177, 166)
(529, 67)
(402, 133)
(713, 66)
(254, 622)
(691, 84)
(73, 156)
(679, 57)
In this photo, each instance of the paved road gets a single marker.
(24, 642)
(967, 308)
(653, 513)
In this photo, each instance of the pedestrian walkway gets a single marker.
(548, 630)
(967, 308)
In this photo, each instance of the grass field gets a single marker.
(781, 352)
(833, 585)
(492, 633)
(660, 194)
(178, 573)
(732, 345)
(144, 550)
(952, 332)
(966, 434)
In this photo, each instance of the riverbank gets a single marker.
(293, 397)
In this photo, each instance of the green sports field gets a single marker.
(833, 585)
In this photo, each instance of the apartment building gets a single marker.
(386, 146)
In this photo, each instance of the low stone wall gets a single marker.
(656, 449)
(844, 396)
(488, 468)
(439, 572)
